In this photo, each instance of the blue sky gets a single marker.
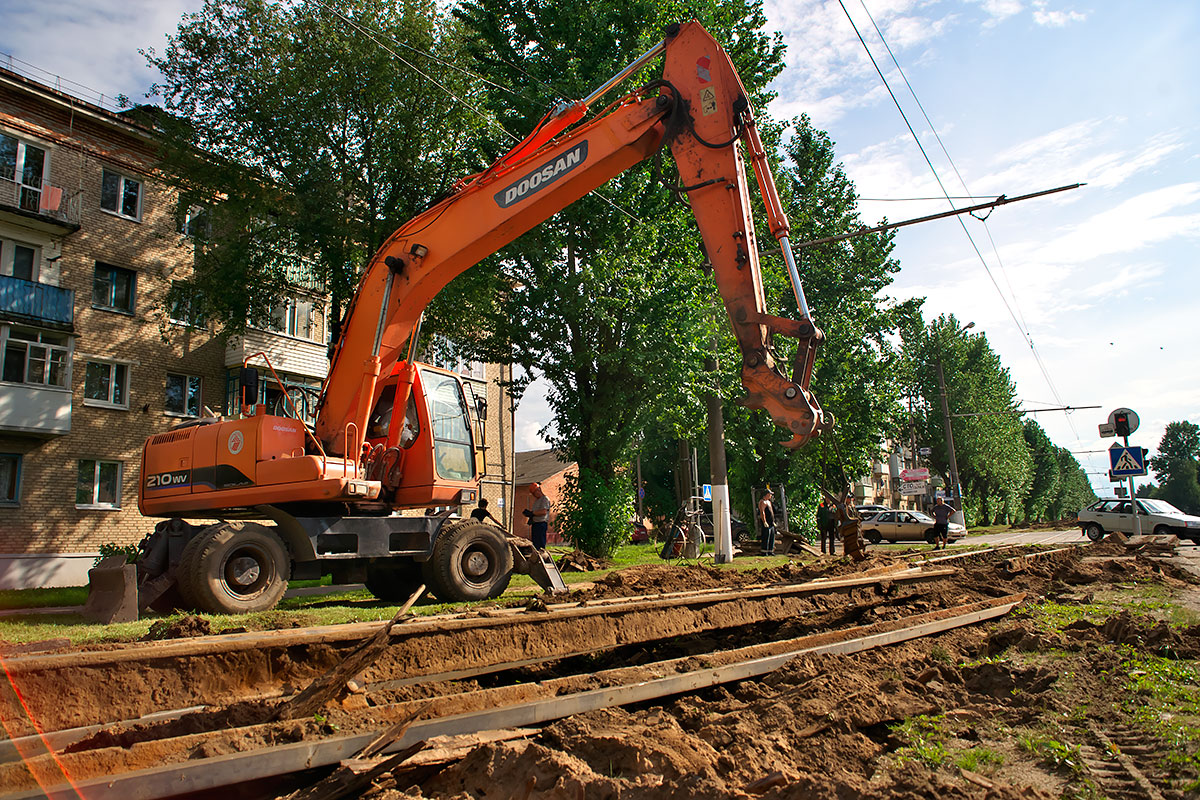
(1026, 95)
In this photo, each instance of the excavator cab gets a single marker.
(429, 454)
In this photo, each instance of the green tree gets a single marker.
(1176, 468)
(1045, 474)
(993, 462)
(606, 300)
(1074, 490)
(307, 141)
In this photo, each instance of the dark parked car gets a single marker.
(742, 533)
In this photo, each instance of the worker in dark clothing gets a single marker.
(941, 523)
(481, 513)
(766, 514)
(825, 523)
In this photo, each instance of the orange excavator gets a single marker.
(393, 434)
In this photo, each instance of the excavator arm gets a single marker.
(700, 110)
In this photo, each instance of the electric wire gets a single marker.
(1017, 320)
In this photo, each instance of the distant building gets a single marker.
(543, 467)
(882, 485)
(93, 359)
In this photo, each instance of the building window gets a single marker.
(443, 353)
(120, 195)
(23, 170)
(113, 288)
(184, 395)
(99, 484)
(19, 260)
(36, 357)
(10, 479)
(296, 317)
(106, 384)
(182, 305)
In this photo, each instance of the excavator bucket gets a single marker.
(112, 591)
(537, 564)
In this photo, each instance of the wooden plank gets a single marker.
(212, 773)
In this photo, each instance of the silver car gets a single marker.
(905, 526)
(1156, 516)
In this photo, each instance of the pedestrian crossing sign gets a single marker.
(707, 492)
(1127, 462)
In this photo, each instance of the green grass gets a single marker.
(43, 598)
(334, 608)
(979, 759)
(923, 740)
(1164, 697)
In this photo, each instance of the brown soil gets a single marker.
(828, 727)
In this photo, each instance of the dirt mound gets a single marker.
(182, 628)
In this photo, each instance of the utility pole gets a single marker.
(722, 530)
(955, 486)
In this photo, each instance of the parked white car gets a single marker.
(1157, 516)
(905, 526)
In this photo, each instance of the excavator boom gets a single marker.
(700, 109)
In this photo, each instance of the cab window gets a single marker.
(453, 449)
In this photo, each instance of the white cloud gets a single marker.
(1054, 19)
(1000, 10)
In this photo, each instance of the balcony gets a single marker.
(48, 208)
(34, 410)
(37, 303)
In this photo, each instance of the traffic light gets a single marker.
(1121, 423)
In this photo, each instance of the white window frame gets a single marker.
(67, 351)
(133, 289)
(15, 500)
(112, 383)
(95, 503)
(8, 255)
(187, 379)
(17, 179)
(187, 301)
(122, 179)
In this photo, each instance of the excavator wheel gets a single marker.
(393, 580)
(234, 568)
(471, 561)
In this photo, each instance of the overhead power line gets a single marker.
(1016, 315)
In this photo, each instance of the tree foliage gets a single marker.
(307, 141)
(994, 463)
(1175, 466)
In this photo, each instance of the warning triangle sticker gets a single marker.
(1126, 463)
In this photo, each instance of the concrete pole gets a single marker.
(722, 529)
(640, 490)
(955, 486)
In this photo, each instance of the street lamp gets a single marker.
(955, 485)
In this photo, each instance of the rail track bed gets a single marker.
(497, 686)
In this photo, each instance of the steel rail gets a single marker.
(222, 771)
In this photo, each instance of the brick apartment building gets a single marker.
(92, 358)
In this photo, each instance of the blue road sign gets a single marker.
(708, 492)
(1127, 462)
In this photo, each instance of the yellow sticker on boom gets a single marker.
(708, 100)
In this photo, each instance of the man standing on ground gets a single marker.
(825, 526)
(539, 517)
(941, 523)
(766, 515)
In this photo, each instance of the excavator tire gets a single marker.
(471, 561)
(394, 580)
(234, 568)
